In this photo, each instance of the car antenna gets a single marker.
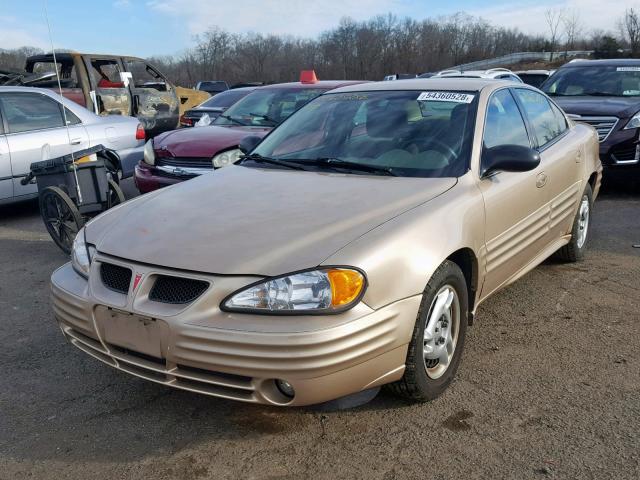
(64, 109)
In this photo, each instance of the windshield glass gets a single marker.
(403, 133)
(267, 107)
(622, 81)
(224, 99)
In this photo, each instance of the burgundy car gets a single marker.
(178, 155)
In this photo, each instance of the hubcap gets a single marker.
(441, 332)
(583, 221)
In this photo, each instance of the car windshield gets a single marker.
(614, 81)
(400, 133)
(224, 99)
(267, 107)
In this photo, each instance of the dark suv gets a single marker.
(606, 95)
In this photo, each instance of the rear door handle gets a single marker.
(76, 141)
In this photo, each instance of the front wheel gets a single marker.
(438, 336)
(574, 250)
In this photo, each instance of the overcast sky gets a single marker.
(161, 27)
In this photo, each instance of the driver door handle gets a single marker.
(76, 141)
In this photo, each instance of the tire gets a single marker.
(115, 194)
(426, 378)
(574, 250)
(60, 216)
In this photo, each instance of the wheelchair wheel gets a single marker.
(60, 216)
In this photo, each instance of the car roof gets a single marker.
(612, 62)
(468, 84)
(324, 84)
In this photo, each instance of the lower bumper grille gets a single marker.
(218, 384)
(626, 154)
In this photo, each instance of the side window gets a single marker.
(145, 76)
(72, 118)
(106, 73)
(25, 112)
(504, 124)
(547, 123)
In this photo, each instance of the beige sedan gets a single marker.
(347, 250)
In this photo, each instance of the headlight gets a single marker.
(634, 122)
(81, 254)
(227, 158)
(329, 290)
(149, 154)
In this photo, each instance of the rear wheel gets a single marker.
(438, 336)
(60, 216)
(574, 250)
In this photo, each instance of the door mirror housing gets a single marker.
(509, 158)
(249, 143)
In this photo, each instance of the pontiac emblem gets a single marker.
(136, 281)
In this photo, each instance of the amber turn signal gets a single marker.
(346, 285)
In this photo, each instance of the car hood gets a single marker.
(203, 141)
(603, 106)
(255, 221)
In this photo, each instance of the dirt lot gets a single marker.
(549, 387)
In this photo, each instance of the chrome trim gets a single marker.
(181, 171)
(604, 125)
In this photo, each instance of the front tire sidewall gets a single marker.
(448, 273)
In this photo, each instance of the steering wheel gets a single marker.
(439, 145)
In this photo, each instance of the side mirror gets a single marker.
(249, 143)
(509, 158)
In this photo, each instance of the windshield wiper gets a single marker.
(235, 120)
(256, 157)
(265, 117)
(337, 163)
(601, 94)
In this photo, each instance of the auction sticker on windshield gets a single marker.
(446, 97)
(628, 69)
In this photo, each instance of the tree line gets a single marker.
(371, 49)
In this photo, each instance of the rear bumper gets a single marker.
(239, 357)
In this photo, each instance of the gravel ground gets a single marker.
(548, 388)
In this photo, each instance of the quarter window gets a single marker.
(504, 124)
(25, 112)
(547, 121)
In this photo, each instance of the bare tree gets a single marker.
(572, 27)
(553, 18)
(630, 27)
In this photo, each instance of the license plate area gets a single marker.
(132, 332)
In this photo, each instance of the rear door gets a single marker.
(36, 131)
(561, 155)
(154, 100)
(6, 176)
(109, 92)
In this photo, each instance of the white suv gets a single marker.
(495, 73)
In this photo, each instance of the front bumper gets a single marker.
(621, 150)
(235, 356)
(148, 178)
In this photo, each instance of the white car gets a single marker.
(493, 73)
(32, 129)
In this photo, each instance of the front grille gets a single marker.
(185, 162)
(603, 125)
(176, 290)
(115, 277)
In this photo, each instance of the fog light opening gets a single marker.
(285, 388)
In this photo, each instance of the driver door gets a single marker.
(515, 204)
